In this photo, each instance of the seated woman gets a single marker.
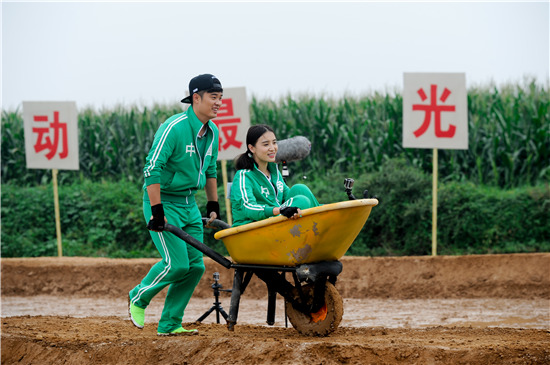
(258, 190)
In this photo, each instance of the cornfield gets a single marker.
(509, 137)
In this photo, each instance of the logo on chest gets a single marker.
(190, 149)
(265, 191)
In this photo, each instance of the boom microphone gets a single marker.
(293, 149)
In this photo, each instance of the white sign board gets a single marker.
(435, 111)
(233, 122)
(51, 135)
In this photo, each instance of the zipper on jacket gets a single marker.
(201, 164)
(270, 184)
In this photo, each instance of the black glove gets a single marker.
(157, 222)
(289, 211)
(213, 206)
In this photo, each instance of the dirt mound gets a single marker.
(476, 276)
(110, 339)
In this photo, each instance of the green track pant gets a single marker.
(301, 197)
(181, 267)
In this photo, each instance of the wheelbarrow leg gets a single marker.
(235, 300)
(271, 305)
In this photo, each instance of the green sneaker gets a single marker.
(179, 332)
(136, 314)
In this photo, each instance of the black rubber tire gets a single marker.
(303, 323)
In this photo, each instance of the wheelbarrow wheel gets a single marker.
(323, 322)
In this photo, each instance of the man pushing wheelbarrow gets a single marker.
(279, 231)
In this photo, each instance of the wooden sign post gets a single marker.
(51, 142)
(435, 115)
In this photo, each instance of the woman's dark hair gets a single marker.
(245, 160)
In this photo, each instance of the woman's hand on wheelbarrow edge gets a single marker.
(157, 221)
(291, 212)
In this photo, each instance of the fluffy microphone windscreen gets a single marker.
(293, 149)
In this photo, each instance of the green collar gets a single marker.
(195, 123)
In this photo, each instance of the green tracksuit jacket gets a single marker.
(253, 196)
(179, 160)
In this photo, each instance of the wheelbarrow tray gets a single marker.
(323, 233)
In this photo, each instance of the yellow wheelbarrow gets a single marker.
(308, 249)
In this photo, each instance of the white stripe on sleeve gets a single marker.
(156, 154)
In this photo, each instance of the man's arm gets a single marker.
(153, 191)
(211, 189)
(158, 219)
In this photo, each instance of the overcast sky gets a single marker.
(102, 54)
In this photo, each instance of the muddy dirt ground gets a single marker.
(490, 309)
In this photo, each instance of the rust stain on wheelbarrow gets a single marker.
(301, 254)
(295, 231)
(323, 233)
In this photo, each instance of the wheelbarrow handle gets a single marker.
(198, 245)
(216, 224)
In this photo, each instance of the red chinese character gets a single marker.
(229, 132)
(44, 135)
(226, 110)
(436, 109)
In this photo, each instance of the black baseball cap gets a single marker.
(207, 82)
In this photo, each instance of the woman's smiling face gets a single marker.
(265, 148)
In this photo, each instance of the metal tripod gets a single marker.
(217, 287)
